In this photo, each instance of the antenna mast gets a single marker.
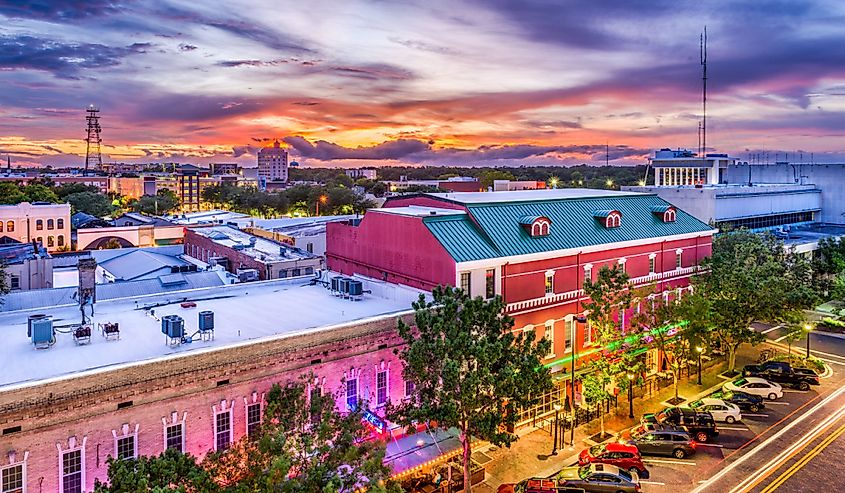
(703, 61)
(93, 140)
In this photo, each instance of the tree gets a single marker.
(171, 471)
(90, 203)
(304, 445)
(794, 332)
(11, 194)
(65, 189)
(468, 369)
(829, 269)
(36, 192)
(752, 277)
(487, 177)
(609, 299)
(163, 202)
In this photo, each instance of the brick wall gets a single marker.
(203, 248)
(89, 409)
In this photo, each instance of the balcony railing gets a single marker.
(554, 299)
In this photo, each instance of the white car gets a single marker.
(721, 410)
(755, 386)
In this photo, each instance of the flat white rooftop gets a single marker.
(242, 313)
(419, 211)
(527, 195)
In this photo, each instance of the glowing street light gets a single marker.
(808, 328)
(323, 199)
(630, 395)
(609, 183)
(699, 350)
(553, 182)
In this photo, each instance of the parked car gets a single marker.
(782, 372)
(700, 425)
(755, 386)
(746, 402)
(721, 410)
(621, 455)
(598, 478)
(660, 440)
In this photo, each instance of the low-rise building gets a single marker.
(357, 173)
(213, 216)
(130, 230)
(27, 266)
(454, 184)
(48, 224)
(249, 256)
(305, 233)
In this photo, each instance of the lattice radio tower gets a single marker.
(93, 140)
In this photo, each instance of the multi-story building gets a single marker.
(124, 389)
(272, 165)
(249, 256)
(305, 233)
(26, 266)
(356, 173)
(454, 184)
(512, 185)
(534, 248)
(48, 224)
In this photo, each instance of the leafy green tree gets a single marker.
(304, 445)
(378, 189)
(487, 177)
(92, 203)
(794, 332)
(468, 369)
(829, 269)
(163, 202)
(752, 277)
(171, 471)
(36, 192)
(65, 189)
(11, 193)
(609, 298)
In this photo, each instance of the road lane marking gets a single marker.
(773, 465)
(751, 453)
(804, 461)
(778, 403)
(652, 482)
(662, 461)
(735, 428)
(776, 327)
(755, 415)
(709, 445)
(794, 391)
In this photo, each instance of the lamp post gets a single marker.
(554, 445)
(581, 319)
(699, 350)
(808, 328)
(322, 199)
(631, 395)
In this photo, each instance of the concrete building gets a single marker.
(272, 165)
(213, 216)
(454, 184)
(27, 266)
(249, 256)
(534, 248)
(67, 408)
(130, 230)
(48, 224)
(511, 185)
(305, 233)
(357, 173)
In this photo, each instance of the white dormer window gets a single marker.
(536, 226)
(669, 216)
(609, 218)
(666, 213)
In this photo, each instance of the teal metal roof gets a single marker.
(660, 209)
(603, 213)
(528, 220)
(495, 229)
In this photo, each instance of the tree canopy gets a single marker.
(468, 369)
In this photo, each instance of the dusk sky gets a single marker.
(355, 82)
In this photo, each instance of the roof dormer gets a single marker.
(666, 213)
(536, 226)
(609, 218)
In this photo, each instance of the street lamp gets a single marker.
(808, 328)
(581, 319)
(699, 350)
(322, 199)
(554, 445)
(631, 395)
(553, 181)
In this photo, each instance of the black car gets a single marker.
(782, 373)
(700, 425)
(746, 402)
(660, 440)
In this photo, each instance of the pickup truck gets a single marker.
(782, 372)
(700, 425)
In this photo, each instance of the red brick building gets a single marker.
(534, 248)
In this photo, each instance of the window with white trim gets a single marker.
(125, 447)
(466, 283)
(71, 471)
(13, 478)
(490, 284)
(174, 437)
(588, 334)
(409, 388)
(352, 394)
(588, 272)
(223, 430)
(622, 265)
(550, 282)
(679, 258)
(253, 418)
(381, 387)
(569, 328)
(652, 263)
(549, 335)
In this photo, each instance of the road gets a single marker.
(796, 444)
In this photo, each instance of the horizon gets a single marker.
(472, 84)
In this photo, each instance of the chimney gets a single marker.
(87, 290)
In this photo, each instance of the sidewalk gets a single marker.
(529, 456)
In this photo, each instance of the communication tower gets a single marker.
(93, 140)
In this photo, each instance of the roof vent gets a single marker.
(433, 213)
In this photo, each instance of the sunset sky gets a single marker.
(354, 82)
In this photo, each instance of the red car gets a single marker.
(621, 455)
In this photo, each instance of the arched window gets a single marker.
(51, 242)
(40, 240)
(39, 224)
(60, 224)
(61, 239)
(614, 220)
(1, 226)
(51, 224)
(10, 226)
(669, 216)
